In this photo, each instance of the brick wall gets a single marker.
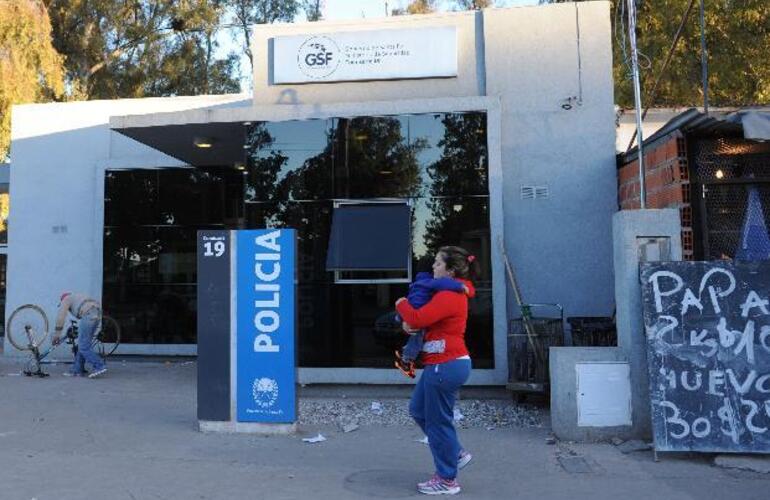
(667, 177)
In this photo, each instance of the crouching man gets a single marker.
(88, 312)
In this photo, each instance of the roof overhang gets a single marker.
(750, 123)
(197, 144)
(176, 133)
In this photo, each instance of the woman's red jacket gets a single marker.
(444, 317)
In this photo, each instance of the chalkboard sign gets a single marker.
(708, 349)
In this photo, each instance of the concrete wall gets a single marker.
(564, 396)
(561, 246)
(628, 226)
(59, 153)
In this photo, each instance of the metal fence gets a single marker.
(726, 170)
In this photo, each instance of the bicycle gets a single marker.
(27, 330)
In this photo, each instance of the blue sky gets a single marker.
(350, 9)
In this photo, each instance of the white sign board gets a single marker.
(365, 55)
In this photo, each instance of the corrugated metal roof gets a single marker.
(693, 121)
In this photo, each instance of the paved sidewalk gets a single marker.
(132, 435)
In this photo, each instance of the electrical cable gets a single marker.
(650, 97)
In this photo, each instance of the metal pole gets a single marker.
(637, 100)
(704, 57)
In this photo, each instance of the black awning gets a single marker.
(373, 236)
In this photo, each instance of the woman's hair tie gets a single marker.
(471, 258)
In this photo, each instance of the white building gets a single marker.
(496, 125)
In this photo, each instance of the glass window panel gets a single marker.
(3, 268)
(4, 211)
(338, 325)
(177, 256)
(312, 220)
(131, 254)
(153, 314)
(373, 158)
(288, 161)
(460, 221)
(191, 196)
(453, 156)
(131, 198)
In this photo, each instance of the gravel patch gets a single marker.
(468, 413)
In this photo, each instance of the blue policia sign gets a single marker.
(266, 375)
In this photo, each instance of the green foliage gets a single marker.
(738, 43)
(417, 7)
(312, 9)
(474, 4)
(138, 48)
(251, 12)
(464, 162)
(30, 69)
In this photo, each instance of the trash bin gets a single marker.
(528, 352)
(593, 331)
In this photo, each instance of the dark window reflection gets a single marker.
(191, 197)
(288, 161)
(3, 268)
(293, 173)
(151, 223)
(131, 198)
(4, 211)
(153, 313)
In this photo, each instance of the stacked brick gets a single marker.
(667, 178)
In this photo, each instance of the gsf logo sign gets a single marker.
(318, 57)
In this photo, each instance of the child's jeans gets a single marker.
(413, 346)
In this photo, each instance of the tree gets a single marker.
(141, 48)
(30, 68)
(474, 4)
(737, 37)
(417, 7)
(313, 9)
(250, 12)
(461, 170)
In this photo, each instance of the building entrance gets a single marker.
(306, 175)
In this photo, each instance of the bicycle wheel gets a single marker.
(107, 338)
(27, 327)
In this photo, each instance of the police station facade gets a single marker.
(470, 128)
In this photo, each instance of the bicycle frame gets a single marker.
(38, 357)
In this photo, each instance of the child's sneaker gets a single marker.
(405, 367)
(464, 459)
(439, 486)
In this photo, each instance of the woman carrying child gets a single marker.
(447, 366)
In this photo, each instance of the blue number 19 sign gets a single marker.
(265, 373)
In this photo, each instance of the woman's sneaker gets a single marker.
(464, 459)
(439, 486)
